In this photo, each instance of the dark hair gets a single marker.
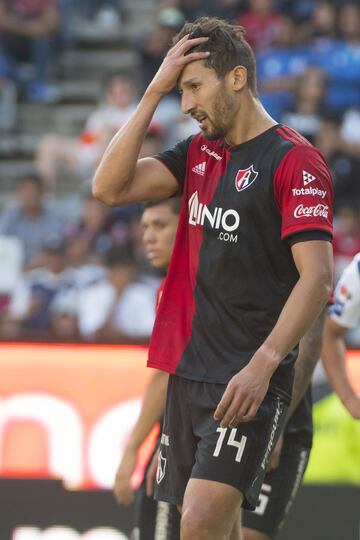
(120, 255)
(35, 179)
(174, 204)
(227, 46)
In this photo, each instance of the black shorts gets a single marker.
(279, 489)
(194, 446)
(154, 520)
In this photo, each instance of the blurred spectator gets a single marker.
(28, 315)
(88, 234)
(32, 219)
(155, 46)
(309, 94)
(192, 9)
(225, 9)
(345, 169)
(105, 13)
(340, 59)
(261, 22)
(57, 153)
(346, 242)
(350, 132)
(279, 67)
(322, 26)
(8, 103)
(27, 32)
(118, 308)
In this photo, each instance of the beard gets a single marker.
(222, 117)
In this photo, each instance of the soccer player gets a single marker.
(250, 272)
(152, 519)
(343, 315)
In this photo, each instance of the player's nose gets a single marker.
(148, 237)
(187, 103)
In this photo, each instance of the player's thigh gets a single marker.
(210, 507)
(250, 534)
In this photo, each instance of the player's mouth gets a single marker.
(151, 255)
(201, 120)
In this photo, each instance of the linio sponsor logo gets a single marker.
(309, 191)
(228, 220)
(319, 210)
(66, 533)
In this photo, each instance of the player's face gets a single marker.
(159, 225)
(208, 100)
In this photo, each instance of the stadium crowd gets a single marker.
(74, 269)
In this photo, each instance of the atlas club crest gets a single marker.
(245, 177)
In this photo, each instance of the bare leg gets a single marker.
(236, 533)
(251, 534)
(210, 510)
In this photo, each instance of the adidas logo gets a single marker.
(307, 177)
(200, 169)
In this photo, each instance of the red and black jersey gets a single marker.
(232, 268)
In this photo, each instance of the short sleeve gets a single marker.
(346, 307)
(175, 159)
(304, 192)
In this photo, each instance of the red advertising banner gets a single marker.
(66, 411)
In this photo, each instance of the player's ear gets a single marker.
(239, 77)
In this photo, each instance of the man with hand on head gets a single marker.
(250, 272)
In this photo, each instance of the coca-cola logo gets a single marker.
(319, 210)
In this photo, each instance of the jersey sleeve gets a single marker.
(175, 160)
(346, 307)
(304, 192)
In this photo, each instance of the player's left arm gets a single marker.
(306, 223)
(247, 389)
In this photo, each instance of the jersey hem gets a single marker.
(294, 229)
(273, 389)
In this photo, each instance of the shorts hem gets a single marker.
(248, 503)
(168, 499)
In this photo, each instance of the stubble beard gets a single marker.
(222, 116)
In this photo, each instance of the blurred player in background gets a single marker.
(250, 272)
(343, 315)
(152, 519)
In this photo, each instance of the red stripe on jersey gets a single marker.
(296, 135)
(177, 307)
(288, 137)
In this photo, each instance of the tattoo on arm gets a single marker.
(309, 354)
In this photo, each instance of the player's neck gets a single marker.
(251, 120)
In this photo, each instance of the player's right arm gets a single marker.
(333, 358)
(152, 410)
(121, 177)
(343, 314)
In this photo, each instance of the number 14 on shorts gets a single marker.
(240, 445)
